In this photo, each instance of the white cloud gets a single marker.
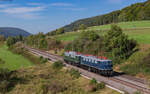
(25, 12)
(18, 10)
(6, 5)
(27, 15)
(61, 4)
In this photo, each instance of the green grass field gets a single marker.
(68, 36)
(141, 36)
(124, 25)
(138, 30)
(12, 61)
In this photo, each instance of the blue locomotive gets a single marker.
(100, 65)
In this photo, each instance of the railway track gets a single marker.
(135, 79)
(124, 80)
(139, 88)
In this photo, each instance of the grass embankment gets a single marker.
(43, 79)
(12, 61)
(138, 30)
(138, 64)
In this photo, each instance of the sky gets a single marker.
(45, 15)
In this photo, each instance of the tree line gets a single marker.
(134, 12)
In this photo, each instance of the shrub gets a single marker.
(57, 65)
(12, 40)
(93, 81)
(94, 86)
(116, 42)
(4, 74)
(43, 60)
(41, 57)
(101, 85)
(82, 27)
(74, 73)
(4, 85)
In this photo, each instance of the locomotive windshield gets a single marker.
(108, 62)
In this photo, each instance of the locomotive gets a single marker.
(100, 65)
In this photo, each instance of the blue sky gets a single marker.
(46, 15)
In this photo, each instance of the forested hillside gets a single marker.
(135, 12)
(9, 31)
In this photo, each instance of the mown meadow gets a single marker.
(124, 25)
(12, 61)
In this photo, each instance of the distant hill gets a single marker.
(134, 12)
(9, 31)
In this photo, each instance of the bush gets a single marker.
(116, 42)
(57, 65)
(4, 85)
(74, 73)
(4, 74)
(82, 27)
(93, 81)
(94, 86)
(12, 40)
(43, 60)
(101, 85)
